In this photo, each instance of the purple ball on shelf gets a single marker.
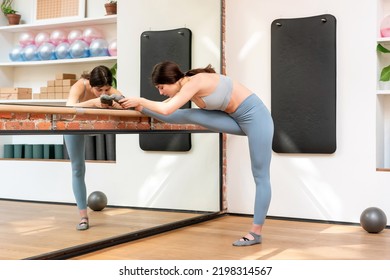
(79, 49)
(98, 47)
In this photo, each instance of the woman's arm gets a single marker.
(188, 90)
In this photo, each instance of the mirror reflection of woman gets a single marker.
(225, 106)
(86, 92)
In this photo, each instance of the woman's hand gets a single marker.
(130, 102)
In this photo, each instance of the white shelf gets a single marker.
(58, 61)
(53, 25)
(383, 92)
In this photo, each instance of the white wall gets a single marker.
(184, 180)
(334, 187)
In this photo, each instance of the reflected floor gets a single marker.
(29, 229)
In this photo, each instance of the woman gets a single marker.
(86, 92)
(225, 106)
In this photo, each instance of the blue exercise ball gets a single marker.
(46, 51)
(373, 220)
(99, 47)
(79, 49)
(16, 54)
(29, 53)
(97, 201)
(62, 51)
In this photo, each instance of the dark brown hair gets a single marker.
(169, 72)
(100, 76)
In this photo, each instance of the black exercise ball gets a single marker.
(373, 220)
(97, 200)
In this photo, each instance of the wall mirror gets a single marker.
(148, 191)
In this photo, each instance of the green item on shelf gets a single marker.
(8, 151)
(18, 150)
(37, 151)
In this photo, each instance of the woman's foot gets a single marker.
(84, 224)
(250, 239)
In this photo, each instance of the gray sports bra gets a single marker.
(219, 99)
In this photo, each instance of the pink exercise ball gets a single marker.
(26, 38)
(58, 36)
(75, 35)
(62, 50)
(385, 27)
(79, 49)
(112, 48)
(42, 37)
(91, 34)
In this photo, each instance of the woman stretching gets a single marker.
(225, 106)
(86, 92)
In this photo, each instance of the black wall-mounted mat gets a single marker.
(303, 84)
(158, 46)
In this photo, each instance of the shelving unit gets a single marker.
(38, 72)
(382, 96)
(35, 74)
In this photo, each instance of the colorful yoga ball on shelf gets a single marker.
(74, 35)
(58, 36)
(112, 48)
(26, 38)
(46, 51)
(16, 54)
(29, 53)
(98, 47)
(79, 49)
(41, 37)
(385, 27)
(91, 33)
(62, 50)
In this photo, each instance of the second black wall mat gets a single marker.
(303, 84)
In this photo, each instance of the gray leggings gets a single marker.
(75, 145)
(252, 119)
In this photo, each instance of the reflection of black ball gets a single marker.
(97, 200)
(373, 220)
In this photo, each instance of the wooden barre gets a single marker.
(57, 119)
(13, 108)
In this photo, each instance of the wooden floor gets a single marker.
(282, 240)
(31, 229)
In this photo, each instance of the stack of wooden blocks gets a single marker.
(58, 88)
(15, 93)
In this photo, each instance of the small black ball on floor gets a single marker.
(97, 201)
(373, 220)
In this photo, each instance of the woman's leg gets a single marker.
(257, 123)
(75, 145)
(216, 121)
